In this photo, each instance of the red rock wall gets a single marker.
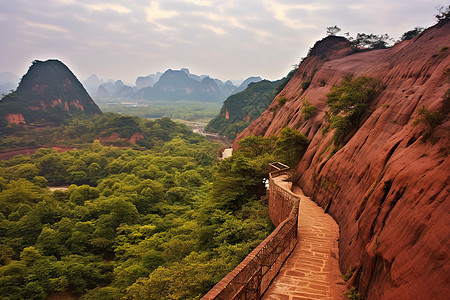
(386, 188)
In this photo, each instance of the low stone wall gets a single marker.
(281, 201)
(251, 278)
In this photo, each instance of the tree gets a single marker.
(411, 33)
(444, 14)
(83, 193)
(27, 171)
(254, 146)
(371, 41)
(95, 172)
(29, 255)
(290, 145)
(235, 183)
(332, 30)
(49, 243)
(52, 167)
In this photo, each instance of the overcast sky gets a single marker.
(227, 39)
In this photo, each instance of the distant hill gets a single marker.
(92, 83)
(181, 85)
(142, 82)
(240, 109)
(115, 90)
(245, 83)
(48, 93)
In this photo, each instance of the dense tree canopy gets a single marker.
(167, 222)
(112, 129)
(240, 109)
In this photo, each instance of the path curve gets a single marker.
(312, 270)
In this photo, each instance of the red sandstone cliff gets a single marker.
(387, 188)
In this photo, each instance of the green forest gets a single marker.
(159, 219)
(240, 109)
(78, 131)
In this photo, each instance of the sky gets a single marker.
(226, 39)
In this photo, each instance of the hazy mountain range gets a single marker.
(170, 85)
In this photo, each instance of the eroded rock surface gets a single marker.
(387, 187)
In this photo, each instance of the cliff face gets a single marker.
(48, 92)
(386, 187)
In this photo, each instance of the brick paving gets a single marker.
(312, 270)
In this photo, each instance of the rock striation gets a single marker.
(387, 187)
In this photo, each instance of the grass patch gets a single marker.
(353, 294)
(377, 242)
(348, 274)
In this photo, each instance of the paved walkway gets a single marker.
(312, 271)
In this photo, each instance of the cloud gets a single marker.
(154, 12)
(48, 27)
(109, 6)
(227, 39)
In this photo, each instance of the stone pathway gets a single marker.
(312, 270)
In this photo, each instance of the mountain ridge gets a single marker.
(170, 85)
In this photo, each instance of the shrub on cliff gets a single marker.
(308, 111)
(431, 119)
(348, 102)
(281, 101)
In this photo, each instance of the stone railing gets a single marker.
(251, 278)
